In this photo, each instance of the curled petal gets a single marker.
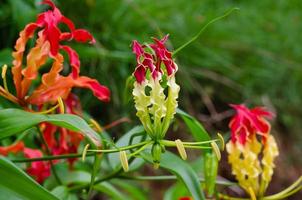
(140, 73)
(247, 123)
(14, 148)
(137, 49)
(25, 35)
(99, 91)
(81, 35)
(73, 59)
(62, 86)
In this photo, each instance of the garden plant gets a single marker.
(53, 149)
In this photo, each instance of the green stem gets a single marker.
(169, 177)
(202, 30)
(118, 149)
(172, 143)
(190, 145)
(225, 197)
(287, 190)
(140, 149)
(196, 147)
(287, 194)
(52, 157)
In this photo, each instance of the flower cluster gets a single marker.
(53, 85)
(48, 45)
(245, 148)
(155, 90)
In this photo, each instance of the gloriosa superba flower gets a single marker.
(48, 46)
(47, 39)
(155, 90)
(245, 149)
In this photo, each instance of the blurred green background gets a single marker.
(253, 56)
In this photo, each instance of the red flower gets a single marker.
(40, 170)
(153, 61)
(61, 140)
(48, 45)
(248, 122)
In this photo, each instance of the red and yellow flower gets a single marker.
(48, 46)
(250, 140)
(154, 73)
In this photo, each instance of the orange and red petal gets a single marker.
(14, 148)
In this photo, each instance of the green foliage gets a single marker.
(182, 170)
(15, 121)
(16, 184)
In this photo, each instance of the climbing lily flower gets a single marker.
(48, 45)
(154, 74)
(245, 148)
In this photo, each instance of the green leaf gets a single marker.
(176, 191)
(19, 185)
(132, 188)
(110, 190)
(198, 131)
(61, 192)
(5, 57)
(182, 170)
(22, 12)
(14, 121)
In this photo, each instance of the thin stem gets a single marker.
(222, 196)
(169, 177)
(287, 194)
(66, 156)
(48, 152)
(202, 30)
(197, 147)
(287, 190)
(172, 143)
(140, 149)
(118, 149)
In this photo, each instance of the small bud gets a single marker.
(181, 149)
(216, 150)
(85, 152)
(156, 153)
(124, 160)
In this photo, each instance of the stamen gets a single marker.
(124, 160)
(4, 69)
(252, 194)
(181, 149)
(96, 125)
(61, 105)
(221, 139)
(216, 150)
(49, 110)
(85, 152)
